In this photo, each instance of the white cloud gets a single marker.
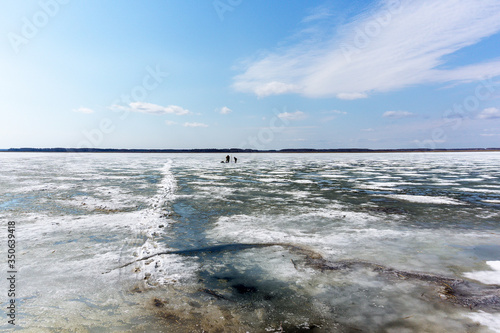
(489, 113)
(170, 122)
(195, 125)
(335, 112)
(225, 110)
(397, 114)
(275, 88)
(351, 96)
(83, 110)
(154, 108)
(297, 115)
(385, 48)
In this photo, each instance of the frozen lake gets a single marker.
(398, 242)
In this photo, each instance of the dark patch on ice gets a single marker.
(214, 294)
(158, 303)
(225, 279)
(311, 328)
(243, 289)
(388, 210)
(195, 304)
(456, 291)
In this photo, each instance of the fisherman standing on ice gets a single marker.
(235, 160)
(228, 158)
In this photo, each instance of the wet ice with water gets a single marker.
(83, 219)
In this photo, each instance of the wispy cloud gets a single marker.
(390, 48)
(224, 110)
(397, 114)
(318, 13)
(489, 113)
(83, 110)
(150, 108)
(490, 132)
(195, 125)
(170, 122)
(332, 114)
(297, 115)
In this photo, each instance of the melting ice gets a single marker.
(277, 242)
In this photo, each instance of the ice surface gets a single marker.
(74, 234)
(82, 215)
(492, 201)
(488, 277)
(479, 190)
(490, 320)
(426, 199)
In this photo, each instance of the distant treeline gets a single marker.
(237, 150)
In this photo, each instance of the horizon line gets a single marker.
(241, 150)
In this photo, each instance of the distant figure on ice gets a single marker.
(228, 159)
(235, 159)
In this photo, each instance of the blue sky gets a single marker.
(254, 74)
